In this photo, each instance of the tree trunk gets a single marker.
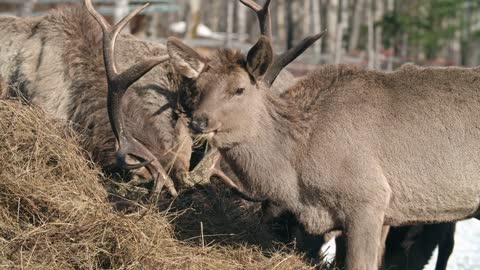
(290, 23)
(121, 10)
(379, 12)
(468, 50)
(307, 18)
(457, 48)
(281, 20)
(357, 23)
(342, 25)
(405, 44)
(317, 26)
(230, 13)
(242, 22)
(216, 14)
(332, 26)
(391, 56)
(370, 41)
(27, 8)
(194, 19)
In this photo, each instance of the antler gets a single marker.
(118, 84)
(263, 14)
(210, 166)
(283, 60)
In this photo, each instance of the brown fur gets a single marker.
(351, 149)
(56, 62)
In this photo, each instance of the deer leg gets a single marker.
(363, 235)
(445, 248)
(340, 251)
(381, 247)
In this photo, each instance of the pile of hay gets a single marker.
(54, 213)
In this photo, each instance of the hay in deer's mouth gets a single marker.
(54, 212)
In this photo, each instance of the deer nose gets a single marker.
(199, 123)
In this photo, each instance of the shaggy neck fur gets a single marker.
(265, 162)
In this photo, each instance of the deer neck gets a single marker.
(264, 162)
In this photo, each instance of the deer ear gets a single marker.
(185, 59)
(260, 58)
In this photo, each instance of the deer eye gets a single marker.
(239, 91)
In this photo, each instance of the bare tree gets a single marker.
(307, 18)
(332, 26)
(281, 22)
(230, 13)
(342, 25)
(370, 42)
(290, 23)
(357, 23)
(242, 22)
(194, 18)
(390, 9)
(317, 25)
(215, 18)
(27, 8)
(457, 47)
(120, 10)
(379, 12)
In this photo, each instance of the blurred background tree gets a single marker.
(379, 34)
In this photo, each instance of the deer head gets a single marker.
(118, 83)
(232, 87)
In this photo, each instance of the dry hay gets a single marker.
(54, 213)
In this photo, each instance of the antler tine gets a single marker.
(263, 14)
(210, 166)
(289, 56)
(100, 19)
(118, 84)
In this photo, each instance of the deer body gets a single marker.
(56, 62)
(346, 149)
(355, 150)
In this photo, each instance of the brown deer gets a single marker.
(56, 61)
(344, 148)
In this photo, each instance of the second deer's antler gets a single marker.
(263, 15)
(283, 60)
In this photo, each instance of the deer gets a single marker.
(55, 62)
(344, 148)
(67, 62)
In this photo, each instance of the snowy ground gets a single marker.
(466, 253)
